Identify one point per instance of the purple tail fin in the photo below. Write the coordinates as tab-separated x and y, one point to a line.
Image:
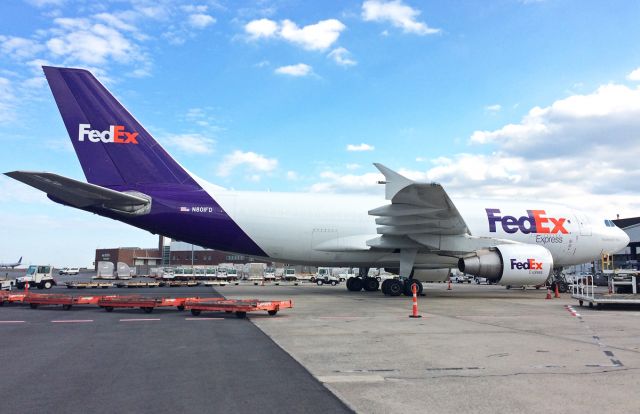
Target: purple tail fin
113	148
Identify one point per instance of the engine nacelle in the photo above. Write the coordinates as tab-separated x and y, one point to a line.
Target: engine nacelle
510	264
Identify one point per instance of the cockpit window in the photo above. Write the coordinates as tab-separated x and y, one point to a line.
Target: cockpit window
609	223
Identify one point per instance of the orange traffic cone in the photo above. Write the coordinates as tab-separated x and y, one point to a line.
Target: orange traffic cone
414	291
557	294
548	293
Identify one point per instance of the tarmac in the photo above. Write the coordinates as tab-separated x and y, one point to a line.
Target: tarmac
476	349
86	360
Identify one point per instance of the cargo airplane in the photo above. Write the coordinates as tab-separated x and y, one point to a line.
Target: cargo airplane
11	265
420	233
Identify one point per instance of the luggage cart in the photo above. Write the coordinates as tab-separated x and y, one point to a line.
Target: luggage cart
584	290
240	307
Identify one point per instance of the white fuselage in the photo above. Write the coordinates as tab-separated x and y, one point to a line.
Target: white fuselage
332	229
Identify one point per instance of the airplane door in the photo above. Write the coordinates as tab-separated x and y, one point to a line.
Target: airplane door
584	224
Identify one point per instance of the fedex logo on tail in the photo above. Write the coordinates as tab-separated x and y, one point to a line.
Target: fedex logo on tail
536	221
115	134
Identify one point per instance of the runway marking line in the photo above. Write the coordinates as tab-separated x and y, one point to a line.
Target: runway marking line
203	319
73	321
596	338
139	320
8	322
340	317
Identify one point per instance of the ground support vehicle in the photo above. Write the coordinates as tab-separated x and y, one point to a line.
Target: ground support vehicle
180	283
216	283
137	284
37	276
585	291
324	276
146	303
109	302
88	285
7	284
9	297
240	307
67	301
289	274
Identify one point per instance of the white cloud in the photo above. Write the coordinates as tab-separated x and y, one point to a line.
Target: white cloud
43	3
300	69
19	47
292	176
191	8
348	183
581	151
634	75
398	14
612	112
251	160
352	166
495	108
360	147
7	98
89	42
342	57
318	36
191	143
261	28
201	20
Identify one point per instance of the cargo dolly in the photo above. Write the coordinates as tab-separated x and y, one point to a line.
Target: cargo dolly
11	297
137	284
585	291
109	302
146	303
67	301
240	307
88	285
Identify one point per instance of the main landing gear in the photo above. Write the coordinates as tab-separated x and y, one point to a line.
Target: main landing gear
363	281
390	287
397	287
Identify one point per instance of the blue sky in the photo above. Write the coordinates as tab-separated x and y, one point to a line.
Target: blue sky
530	99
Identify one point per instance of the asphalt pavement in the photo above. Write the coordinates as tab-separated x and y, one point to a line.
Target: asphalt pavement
88	360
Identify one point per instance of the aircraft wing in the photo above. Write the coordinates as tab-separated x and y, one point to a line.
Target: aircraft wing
422	216
84	195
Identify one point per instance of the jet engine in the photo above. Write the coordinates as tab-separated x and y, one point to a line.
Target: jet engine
510	264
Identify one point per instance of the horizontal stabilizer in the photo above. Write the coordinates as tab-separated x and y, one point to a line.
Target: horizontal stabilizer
84	195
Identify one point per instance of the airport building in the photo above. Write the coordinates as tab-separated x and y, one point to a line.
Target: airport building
628	257
175	253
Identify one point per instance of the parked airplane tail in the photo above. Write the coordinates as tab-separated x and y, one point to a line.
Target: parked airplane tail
112	146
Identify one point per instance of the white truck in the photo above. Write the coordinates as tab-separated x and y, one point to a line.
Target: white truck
290	274
324	276
7	284
255	272
37	276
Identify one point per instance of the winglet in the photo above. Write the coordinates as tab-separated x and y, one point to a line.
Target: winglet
394	182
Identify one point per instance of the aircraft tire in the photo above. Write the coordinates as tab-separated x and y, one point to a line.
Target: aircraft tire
370	284
395	287
355	285
407	287
385	287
